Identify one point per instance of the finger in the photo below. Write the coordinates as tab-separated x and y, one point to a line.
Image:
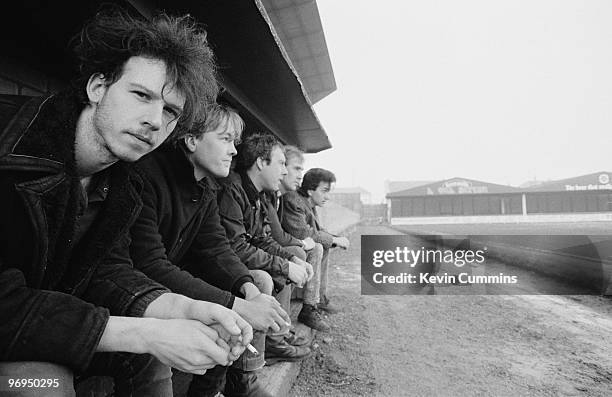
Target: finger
197	371
213	351
210	332
227	319
275	327
283	315
223	344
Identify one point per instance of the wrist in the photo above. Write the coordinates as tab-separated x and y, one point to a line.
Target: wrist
249	290
240	306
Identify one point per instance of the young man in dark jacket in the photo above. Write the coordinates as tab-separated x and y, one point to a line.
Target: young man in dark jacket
242	206
178	235
299	218
309	314
68	292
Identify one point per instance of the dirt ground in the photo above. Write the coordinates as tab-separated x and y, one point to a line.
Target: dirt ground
457	345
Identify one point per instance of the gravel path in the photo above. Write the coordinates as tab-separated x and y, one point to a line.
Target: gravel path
457	345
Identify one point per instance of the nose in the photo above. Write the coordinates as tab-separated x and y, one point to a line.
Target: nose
232	149
284	171
154	117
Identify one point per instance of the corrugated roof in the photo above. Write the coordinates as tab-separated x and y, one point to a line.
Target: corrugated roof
298	26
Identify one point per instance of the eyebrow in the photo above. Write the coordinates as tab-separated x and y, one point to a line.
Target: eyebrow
155	95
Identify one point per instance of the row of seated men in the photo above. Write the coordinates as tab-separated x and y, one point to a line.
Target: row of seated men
127	270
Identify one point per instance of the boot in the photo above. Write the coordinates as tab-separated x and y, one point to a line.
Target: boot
311	317
283	351
240	383
326	306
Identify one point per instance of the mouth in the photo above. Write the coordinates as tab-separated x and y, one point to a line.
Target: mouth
143	138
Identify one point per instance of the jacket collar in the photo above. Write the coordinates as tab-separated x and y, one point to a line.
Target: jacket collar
49	138
184	170
250	188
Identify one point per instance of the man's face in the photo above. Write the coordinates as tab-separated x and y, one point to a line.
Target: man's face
295	171
273	173
136	113
214	150
320	195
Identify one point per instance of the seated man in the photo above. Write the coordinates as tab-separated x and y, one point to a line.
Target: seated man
299	218
261	165
69	296
179	228
309	314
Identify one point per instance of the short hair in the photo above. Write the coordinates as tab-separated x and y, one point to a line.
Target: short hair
313	177
293	152
113	36
255	146
218	115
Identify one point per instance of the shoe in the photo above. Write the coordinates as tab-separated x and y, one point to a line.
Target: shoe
239	383
283	351
295	340
312	318
326	306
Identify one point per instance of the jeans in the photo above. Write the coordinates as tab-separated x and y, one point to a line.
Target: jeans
133	375
213	380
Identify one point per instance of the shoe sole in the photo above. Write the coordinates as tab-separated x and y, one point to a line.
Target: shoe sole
276	360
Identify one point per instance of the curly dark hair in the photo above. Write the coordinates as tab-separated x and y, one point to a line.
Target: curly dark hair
313	177
113	36
255	146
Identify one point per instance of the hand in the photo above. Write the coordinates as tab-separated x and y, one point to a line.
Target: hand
187	345
307	266
297	274
263	312
234	343
212	313
308	243
249	290
341	242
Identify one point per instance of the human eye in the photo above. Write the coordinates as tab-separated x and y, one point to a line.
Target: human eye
173	113
140	94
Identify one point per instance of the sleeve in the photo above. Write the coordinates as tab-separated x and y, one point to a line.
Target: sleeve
278	233
232	205
210	256
40	325
148	252
295	221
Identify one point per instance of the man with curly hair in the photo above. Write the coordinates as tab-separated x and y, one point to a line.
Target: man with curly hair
70	299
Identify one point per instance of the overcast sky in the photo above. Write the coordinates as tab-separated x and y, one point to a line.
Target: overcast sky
498	91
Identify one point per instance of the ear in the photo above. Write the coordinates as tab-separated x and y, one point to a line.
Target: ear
191	143
96	87
260	163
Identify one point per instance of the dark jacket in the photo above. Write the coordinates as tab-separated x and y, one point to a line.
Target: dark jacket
299	218
274	212
248	228
179	228
45	281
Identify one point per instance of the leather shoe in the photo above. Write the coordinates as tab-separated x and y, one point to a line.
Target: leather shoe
326	306
243	384
312	318
293	339
283	351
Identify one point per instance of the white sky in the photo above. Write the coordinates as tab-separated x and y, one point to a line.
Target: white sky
498	91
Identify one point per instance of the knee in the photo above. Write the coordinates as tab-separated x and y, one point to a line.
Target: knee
263	281
297	251
317	251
